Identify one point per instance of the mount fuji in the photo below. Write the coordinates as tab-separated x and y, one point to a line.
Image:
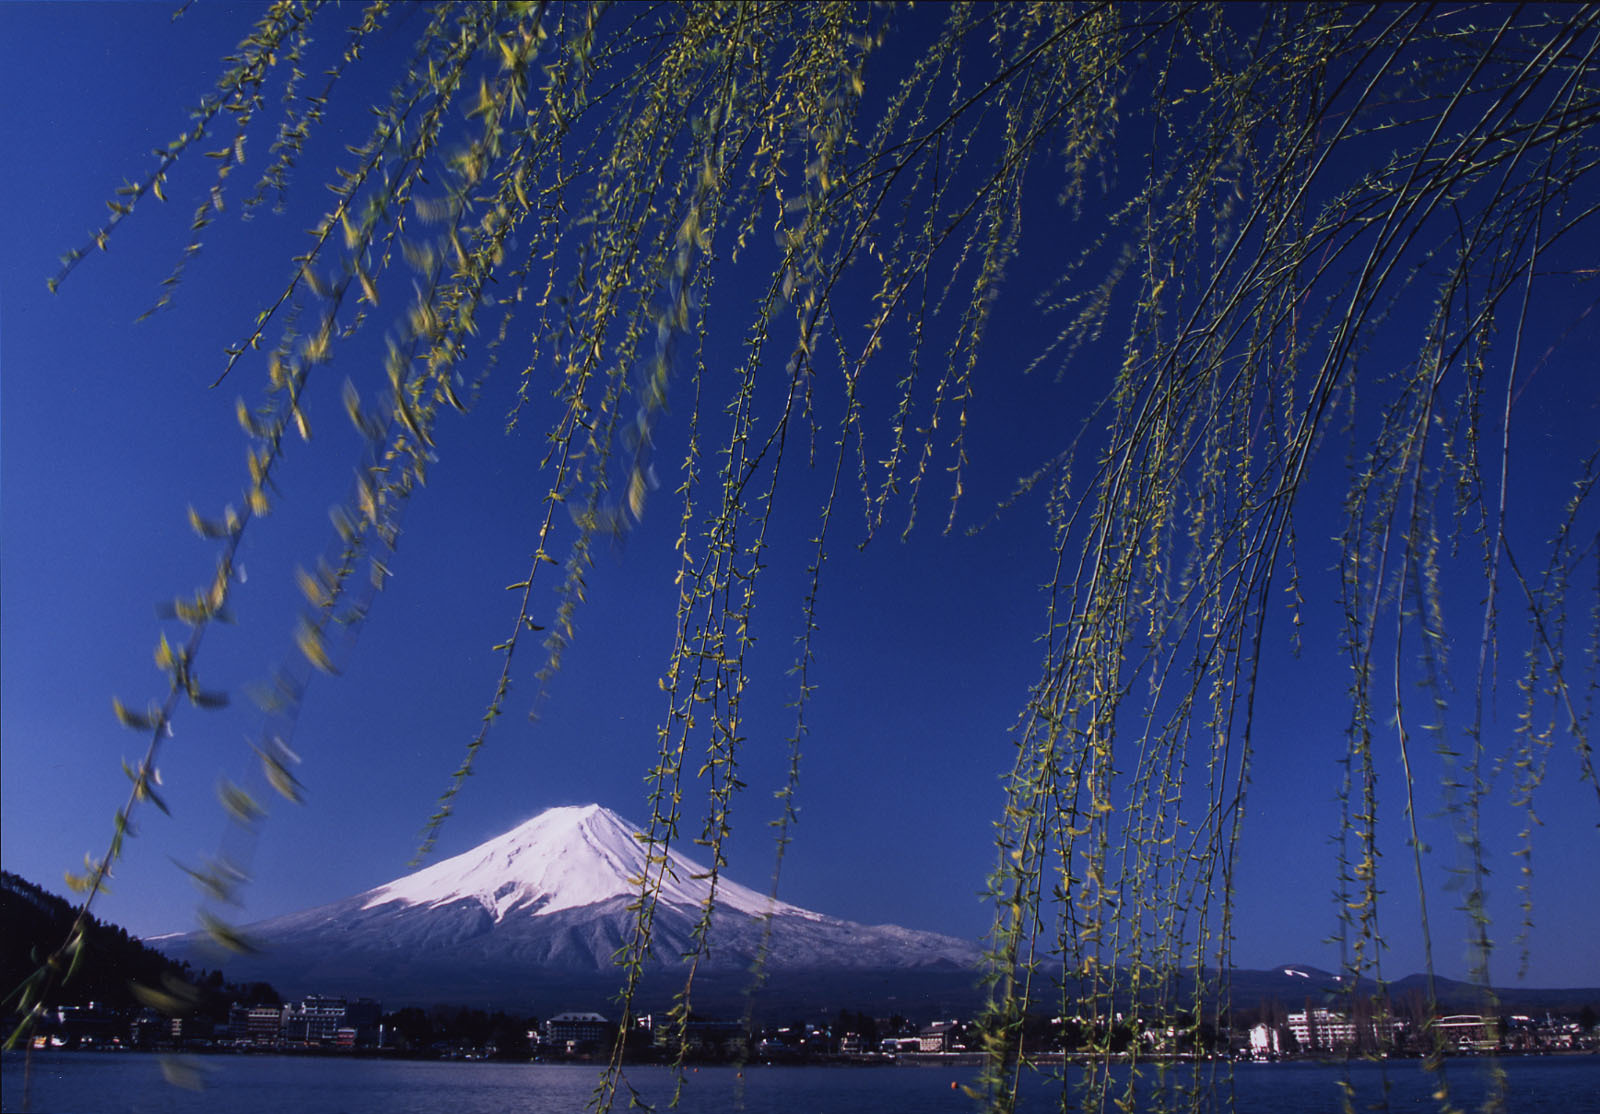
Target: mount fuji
532	919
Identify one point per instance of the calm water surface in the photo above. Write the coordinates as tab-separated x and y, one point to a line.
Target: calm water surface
132	1083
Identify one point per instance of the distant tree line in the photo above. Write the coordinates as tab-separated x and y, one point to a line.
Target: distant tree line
446	1029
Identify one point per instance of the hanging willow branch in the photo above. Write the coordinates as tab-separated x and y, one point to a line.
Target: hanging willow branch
1266	230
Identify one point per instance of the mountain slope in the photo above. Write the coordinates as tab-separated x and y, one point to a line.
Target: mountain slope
539	912
564	858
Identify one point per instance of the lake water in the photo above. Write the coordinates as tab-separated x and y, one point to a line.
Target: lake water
132	1083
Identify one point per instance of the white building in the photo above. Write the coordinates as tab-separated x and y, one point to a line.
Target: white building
314	1020
1324	1030
575	1030
1469	1032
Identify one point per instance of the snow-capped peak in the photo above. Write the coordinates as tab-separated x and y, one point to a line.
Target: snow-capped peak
565	858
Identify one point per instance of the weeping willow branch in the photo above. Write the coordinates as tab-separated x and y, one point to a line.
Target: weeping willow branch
1241	233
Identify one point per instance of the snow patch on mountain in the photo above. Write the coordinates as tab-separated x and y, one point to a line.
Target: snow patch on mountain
566	858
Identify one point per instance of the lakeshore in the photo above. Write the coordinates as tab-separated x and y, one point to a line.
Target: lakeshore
264	1083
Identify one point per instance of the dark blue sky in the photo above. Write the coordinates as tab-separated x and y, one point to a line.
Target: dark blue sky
926	648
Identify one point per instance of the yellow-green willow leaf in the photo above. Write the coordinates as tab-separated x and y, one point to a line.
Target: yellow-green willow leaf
344	524
314	281
408	418
146	793
312	588
275	759
247	420
317	347
311	644
163	1000
226	935
215	601
366	499
186	1072
207	527
258	462
144	781
220	879
239	803
130	718
166	660
636	493
77	947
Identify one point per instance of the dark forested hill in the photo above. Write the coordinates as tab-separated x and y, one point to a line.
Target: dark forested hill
34	921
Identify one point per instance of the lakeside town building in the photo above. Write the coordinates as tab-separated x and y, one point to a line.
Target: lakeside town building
575	1032
320	1023
1264	1042
1468	1032
1324	1030
316	1021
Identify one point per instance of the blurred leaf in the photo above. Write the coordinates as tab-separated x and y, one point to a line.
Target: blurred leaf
169	1004
226	935
187	1072
311	644
275	760
130	718
239	803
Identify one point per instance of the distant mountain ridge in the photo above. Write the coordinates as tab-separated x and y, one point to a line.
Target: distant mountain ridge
538	913
1293	985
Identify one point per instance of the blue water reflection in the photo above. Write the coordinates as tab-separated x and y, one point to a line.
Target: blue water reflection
129	1083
